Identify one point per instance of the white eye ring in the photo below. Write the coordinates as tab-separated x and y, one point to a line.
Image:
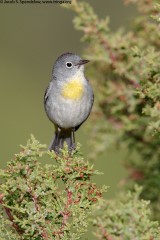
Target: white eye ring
69	65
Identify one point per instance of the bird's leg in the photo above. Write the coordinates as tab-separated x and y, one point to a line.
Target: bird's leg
54	141
73	144
57	141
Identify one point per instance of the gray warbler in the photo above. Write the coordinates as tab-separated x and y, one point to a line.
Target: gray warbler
68	99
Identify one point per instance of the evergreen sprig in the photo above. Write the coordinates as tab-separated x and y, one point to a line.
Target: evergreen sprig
126	78
50	201
125	219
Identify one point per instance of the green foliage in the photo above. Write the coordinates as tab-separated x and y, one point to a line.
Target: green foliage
125	219
55	201
125	72
46	202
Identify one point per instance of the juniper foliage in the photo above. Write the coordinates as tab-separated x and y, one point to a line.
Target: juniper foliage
125	219
125	72
55	201
46	201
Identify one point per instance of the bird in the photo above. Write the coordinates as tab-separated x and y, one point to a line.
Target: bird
68	99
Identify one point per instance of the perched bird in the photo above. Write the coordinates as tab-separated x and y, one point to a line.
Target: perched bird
68	99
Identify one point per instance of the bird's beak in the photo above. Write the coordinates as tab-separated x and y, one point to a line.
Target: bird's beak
82	62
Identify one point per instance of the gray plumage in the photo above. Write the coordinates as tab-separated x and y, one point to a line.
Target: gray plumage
67	109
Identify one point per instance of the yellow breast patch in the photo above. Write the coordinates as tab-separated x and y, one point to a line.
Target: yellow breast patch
73	90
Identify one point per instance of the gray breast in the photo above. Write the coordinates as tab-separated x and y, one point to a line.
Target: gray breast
67	113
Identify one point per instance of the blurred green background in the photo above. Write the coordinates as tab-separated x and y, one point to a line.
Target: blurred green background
31	38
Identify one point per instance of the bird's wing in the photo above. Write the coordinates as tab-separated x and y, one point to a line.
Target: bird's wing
46	94
92	101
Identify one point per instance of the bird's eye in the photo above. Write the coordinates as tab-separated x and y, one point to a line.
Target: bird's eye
69	64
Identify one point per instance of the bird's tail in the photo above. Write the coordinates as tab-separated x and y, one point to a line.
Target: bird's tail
61	136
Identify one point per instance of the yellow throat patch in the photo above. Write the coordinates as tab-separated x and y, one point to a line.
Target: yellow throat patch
73	89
